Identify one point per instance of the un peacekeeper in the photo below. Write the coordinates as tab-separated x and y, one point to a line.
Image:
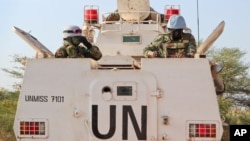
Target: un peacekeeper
72	38
174	44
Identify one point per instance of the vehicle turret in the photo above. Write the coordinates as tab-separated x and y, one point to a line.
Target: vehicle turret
133	10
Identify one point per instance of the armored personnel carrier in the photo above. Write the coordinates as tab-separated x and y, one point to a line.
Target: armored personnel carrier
123	96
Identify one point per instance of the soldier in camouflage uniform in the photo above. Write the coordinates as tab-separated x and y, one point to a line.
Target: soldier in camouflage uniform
72	38
174	44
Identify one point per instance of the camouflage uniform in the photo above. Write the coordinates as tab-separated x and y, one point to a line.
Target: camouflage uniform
165	47
68	50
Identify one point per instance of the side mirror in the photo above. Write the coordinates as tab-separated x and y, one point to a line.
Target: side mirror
217	67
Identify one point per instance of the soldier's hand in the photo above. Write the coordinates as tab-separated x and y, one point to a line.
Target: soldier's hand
180	56
156	54
83	40
152	54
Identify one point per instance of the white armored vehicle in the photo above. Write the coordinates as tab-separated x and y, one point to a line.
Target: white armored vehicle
123	96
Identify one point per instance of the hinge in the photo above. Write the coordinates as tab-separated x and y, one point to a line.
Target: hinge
158	93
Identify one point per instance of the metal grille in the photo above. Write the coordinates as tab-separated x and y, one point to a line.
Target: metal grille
33	128
202	130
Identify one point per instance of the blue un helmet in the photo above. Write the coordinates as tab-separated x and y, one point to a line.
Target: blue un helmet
71	31
176	22
175	26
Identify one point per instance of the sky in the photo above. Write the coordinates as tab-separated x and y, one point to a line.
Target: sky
45	19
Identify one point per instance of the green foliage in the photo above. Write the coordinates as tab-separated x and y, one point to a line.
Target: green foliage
235	70
224	105
239	116
237	81
8	104
232	113
18	70
8	100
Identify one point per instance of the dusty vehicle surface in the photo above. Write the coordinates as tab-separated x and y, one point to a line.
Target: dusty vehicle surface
123	96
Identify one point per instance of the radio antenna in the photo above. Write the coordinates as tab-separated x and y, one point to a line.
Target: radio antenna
197	4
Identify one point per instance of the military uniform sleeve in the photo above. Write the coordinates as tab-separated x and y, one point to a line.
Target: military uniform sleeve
192	47
61	53
95	53
86	42
157	46
92	52
72	51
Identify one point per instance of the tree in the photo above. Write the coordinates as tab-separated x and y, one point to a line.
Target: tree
8	99
235	70
18	70
237	81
